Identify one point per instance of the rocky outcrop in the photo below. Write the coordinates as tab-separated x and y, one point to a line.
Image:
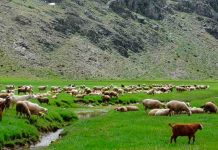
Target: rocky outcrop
154	9
207	8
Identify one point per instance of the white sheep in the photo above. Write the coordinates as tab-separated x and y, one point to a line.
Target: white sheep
178	107
16	98
162	112
152	112
132	108
35	109
195	110
151	104
121	109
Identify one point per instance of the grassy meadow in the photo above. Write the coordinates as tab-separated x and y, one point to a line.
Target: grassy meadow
114	130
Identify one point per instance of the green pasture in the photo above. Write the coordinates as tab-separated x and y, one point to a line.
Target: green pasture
137	130
114	130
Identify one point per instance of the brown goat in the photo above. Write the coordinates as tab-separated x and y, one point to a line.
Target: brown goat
185	130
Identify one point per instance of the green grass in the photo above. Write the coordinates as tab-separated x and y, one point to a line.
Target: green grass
136	130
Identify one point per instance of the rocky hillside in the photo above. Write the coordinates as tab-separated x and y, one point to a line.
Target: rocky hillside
109	39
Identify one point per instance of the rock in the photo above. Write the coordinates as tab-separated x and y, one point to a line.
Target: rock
207	8
23	20
141	19
69	25
80	2
153	9
91	15
213	32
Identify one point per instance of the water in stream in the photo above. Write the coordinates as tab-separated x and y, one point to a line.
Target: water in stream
48	138
90	114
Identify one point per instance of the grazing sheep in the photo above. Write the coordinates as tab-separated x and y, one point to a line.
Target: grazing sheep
55	96
9	87
185	130
195	110
113	94
181	89
87	91
152	112
132	108
151	104
178	107
209	107
22	109
34	109
97	88
7	102
74	92
42	88
106	98
16	98
80	96
25	89
10	91
121	109
43	100
191	88
162	112
4	95
55	89
120	91
106	92
151	92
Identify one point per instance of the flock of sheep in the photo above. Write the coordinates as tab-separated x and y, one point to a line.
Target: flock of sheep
23	106
170	108
26	108
176	107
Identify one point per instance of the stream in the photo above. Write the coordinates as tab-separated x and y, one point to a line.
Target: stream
47	139
50	137
90	114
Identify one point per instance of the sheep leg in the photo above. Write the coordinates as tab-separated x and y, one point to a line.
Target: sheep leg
170	113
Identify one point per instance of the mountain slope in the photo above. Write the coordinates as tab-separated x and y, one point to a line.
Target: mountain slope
116	39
